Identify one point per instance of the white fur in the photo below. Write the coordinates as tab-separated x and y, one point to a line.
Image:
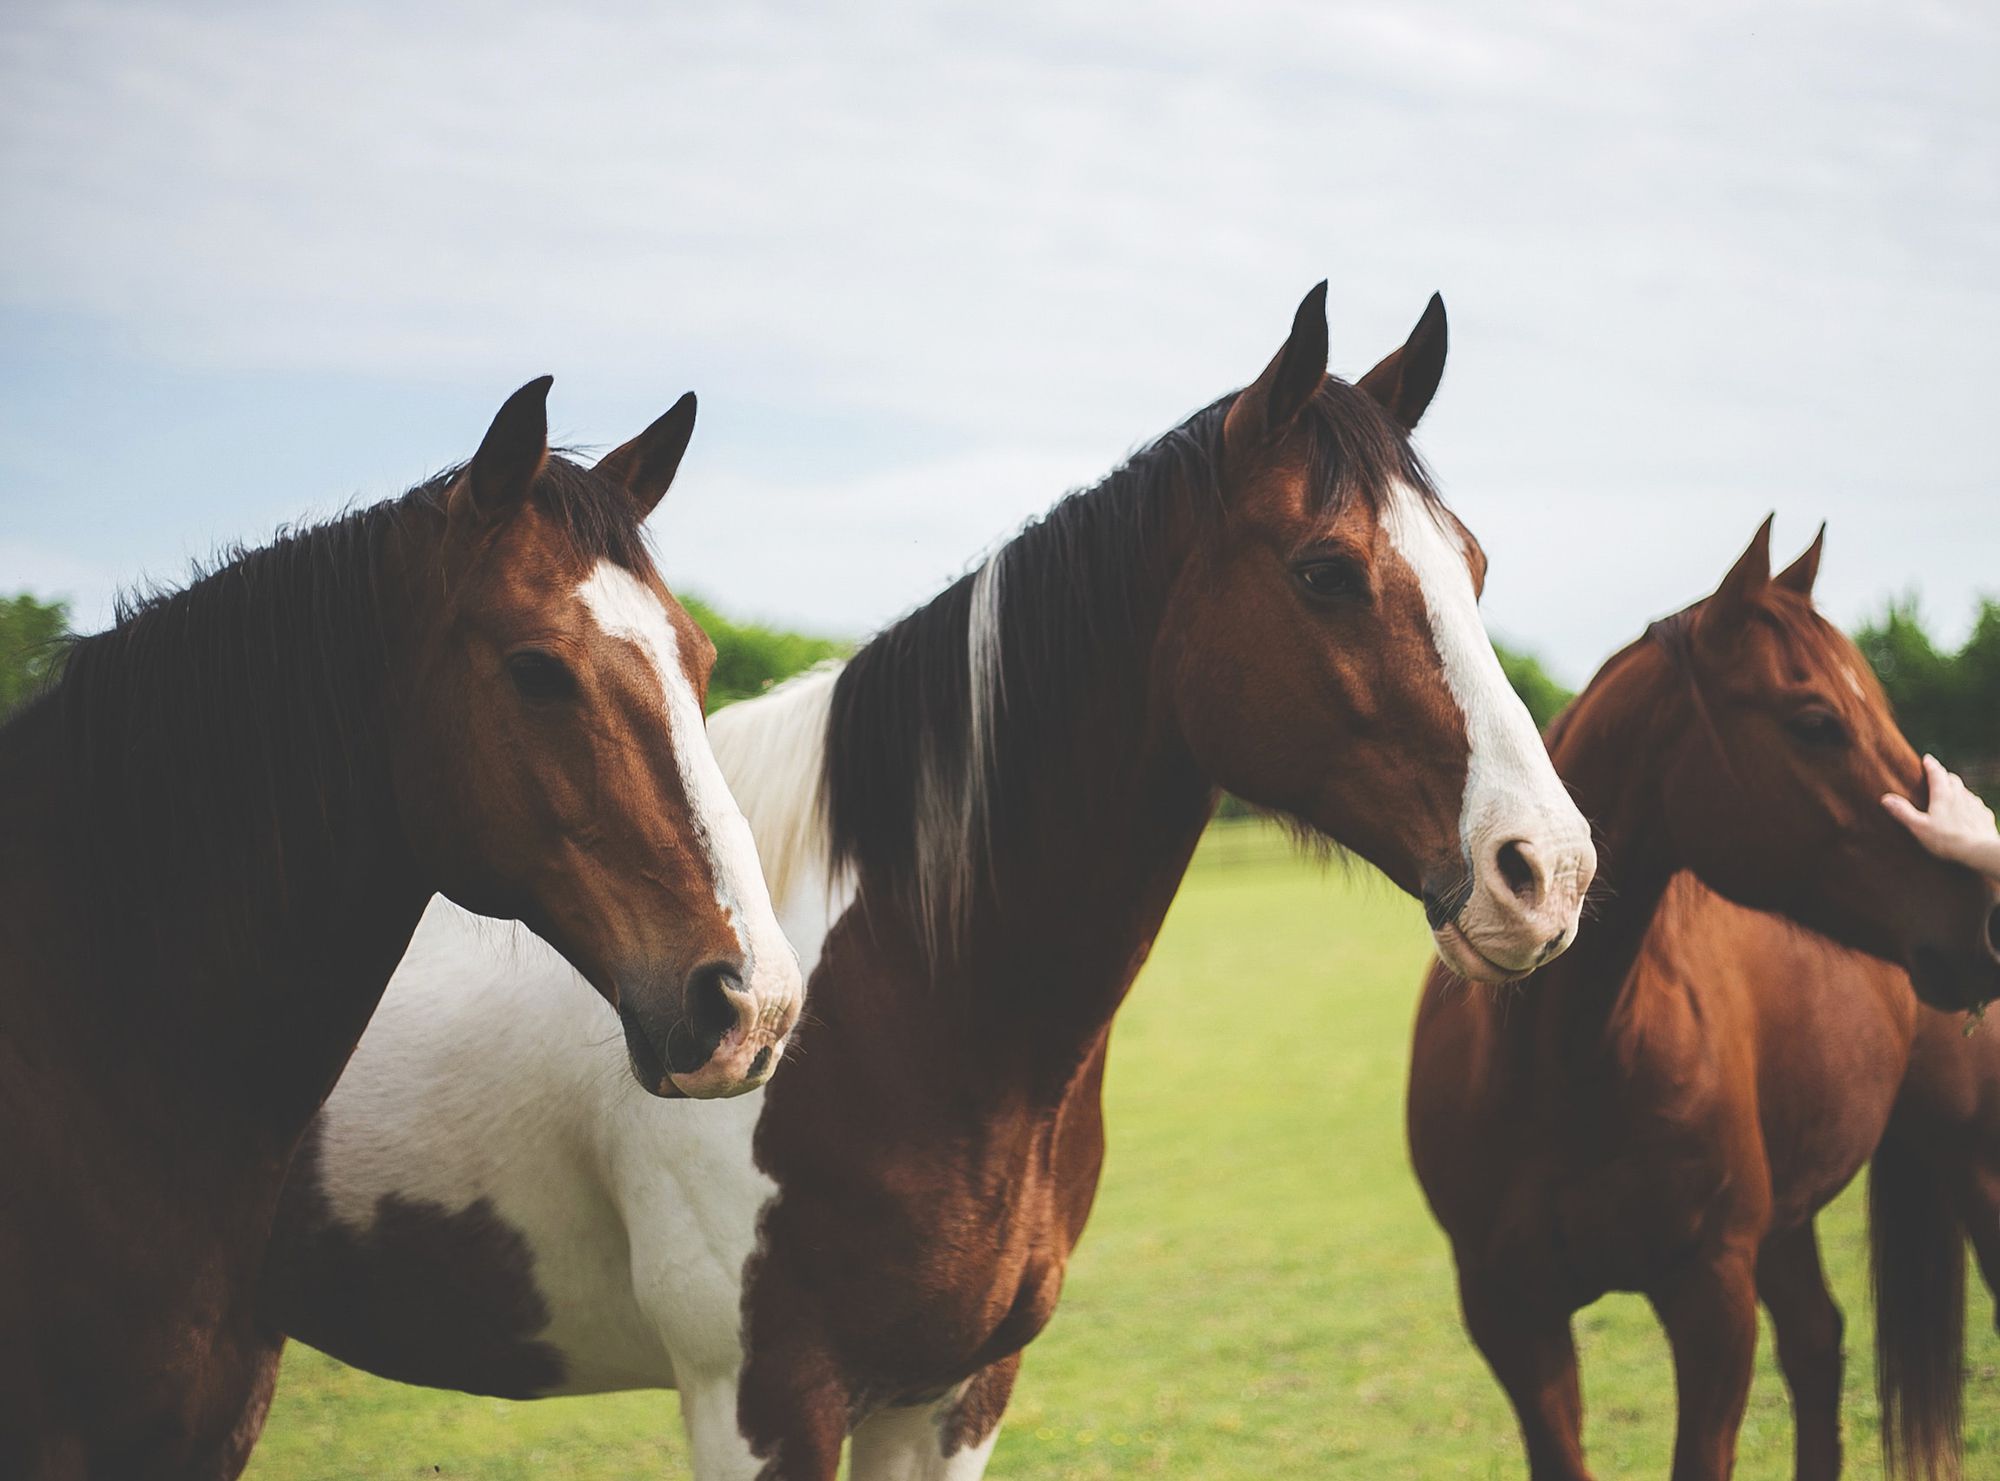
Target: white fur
624	607
907	1445
773	749
1511	788
986	688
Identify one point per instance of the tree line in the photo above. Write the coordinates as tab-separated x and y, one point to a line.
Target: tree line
1947	701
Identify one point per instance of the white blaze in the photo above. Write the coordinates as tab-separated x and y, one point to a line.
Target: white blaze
624	607
1511	788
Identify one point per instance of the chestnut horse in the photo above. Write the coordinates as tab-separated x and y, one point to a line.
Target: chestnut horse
1665	1109
217	834
974	831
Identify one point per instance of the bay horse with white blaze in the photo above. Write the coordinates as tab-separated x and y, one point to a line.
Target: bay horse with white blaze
218	831
1666	1109
974	831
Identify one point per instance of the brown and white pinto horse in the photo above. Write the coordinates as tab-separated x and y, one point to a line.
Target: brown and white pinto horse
974	831
1666	1108
217	833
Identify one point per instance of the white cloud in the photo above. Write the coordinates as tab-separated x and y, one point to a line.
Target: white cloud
1702	260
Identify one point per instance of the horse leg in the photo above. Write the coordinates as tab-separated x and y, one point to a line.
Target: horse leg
716	1446
1532	1351
1710	1313
950	1440
791	1412
1808	1327
227	1460
1979	1202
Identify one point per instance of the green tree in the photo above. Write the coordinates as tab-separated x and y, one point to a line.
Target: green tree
1947	703
1540	692
30	646
750	658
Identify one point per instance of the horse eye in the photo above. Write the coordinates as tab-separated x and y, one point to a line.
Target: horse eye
1817	726
1333	578
541	677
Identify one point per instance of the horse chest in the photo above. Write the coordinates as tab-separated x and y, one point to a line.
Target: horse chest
927	1272
1597	1203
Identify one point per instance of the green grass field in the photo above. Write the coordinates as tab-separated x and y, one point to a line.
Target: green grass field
1261	1292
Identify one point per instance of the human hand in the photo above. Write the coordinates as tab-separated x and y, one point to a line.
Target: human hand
1957	825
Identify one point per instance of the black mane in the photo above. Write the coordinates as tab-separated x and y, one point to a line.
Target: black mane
214	725
1078	590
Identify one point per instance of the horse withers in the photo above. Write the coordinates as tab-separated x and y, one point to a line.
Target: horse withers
218	831
974	830
1665	1108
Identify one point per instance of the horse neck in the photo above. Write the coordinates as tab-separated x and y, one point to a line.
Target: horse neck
265	890
1611	755
1086	848
1083	884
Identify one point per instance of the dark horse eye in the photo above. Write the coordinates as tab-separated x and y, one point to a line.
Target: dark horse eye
1333	578
540	676
1817	727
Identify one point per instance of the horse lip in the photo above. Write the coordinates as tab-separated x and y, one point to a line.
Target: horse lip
1453	934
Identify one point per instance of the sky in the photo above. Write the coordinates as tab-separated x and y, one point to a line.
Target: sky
930	267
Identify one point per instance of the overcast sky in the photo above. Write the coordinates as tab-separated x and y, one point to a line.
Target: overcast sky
929	268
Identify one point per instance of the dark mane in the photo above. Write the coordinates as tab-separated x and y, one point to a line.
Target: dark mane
942	726
215	728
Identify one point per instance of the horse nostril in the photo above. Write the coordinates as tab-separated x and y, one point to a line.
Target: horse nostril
709	1003
1517	872
761	1062
1993	930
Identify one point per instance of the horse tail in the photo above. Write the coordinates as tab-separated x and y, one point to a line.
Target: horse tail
1916	1259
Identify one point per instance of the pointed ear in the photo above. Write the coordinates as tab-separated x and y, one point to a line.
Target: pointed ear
1722	614
1801	573
1404	383
645	466
1288	382
511	456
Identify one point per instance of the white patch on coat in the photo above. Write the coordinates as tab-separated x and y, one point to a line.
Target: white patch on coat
626	608
907	1445
773	750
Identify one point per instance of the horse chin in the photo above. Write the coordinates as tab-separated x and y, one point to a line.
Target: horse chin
1458	953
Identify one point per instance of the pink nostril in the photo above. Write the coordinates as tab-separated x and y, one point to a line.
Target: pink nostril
711	1004
1518	872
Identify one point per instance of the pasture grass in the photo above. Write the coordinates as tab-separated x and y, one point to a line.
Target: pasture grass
1261	1292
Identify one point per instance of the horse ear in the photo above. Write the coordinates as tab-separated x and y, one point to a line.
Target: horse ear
1722	613
511	456
1405	381
1288	382
1801	573
645	466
